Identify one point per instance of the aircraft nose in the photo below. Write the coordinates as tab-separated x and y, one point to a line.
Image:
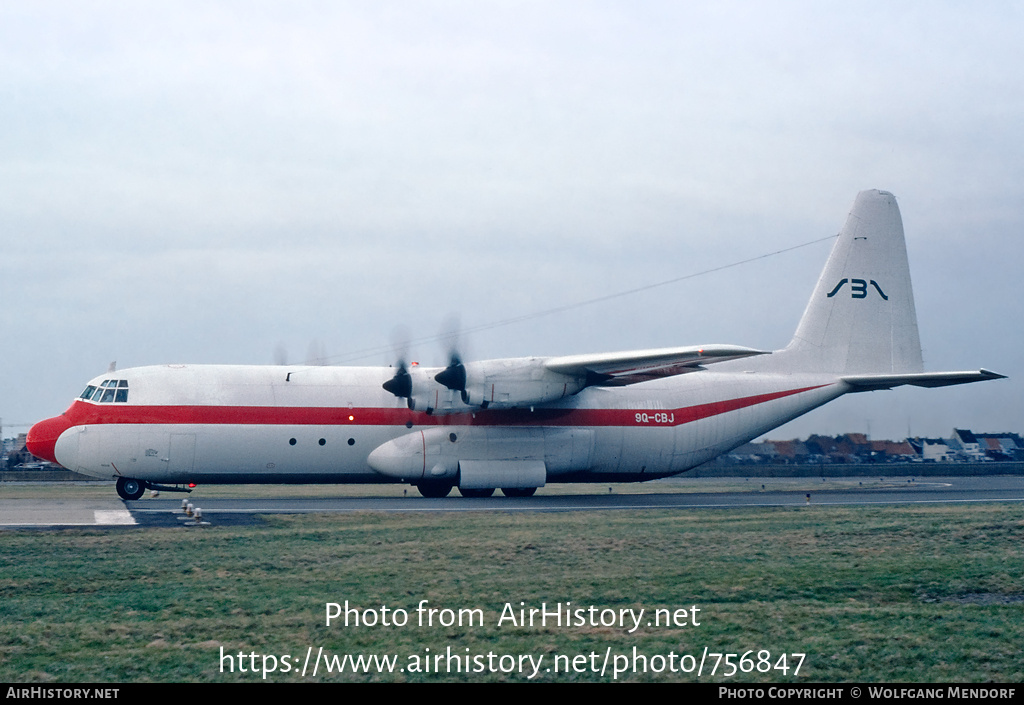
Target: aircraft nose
42	438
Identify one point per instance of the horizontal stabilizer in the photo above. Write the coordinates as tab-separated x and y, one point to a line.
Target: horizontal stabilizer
634	366
867	383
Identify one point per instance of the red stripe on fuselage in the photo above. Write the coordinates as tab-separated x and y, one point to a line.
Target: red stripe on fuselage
84	413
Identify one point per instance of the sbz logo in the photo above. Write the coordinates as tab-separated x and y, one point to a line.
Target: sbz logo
858	288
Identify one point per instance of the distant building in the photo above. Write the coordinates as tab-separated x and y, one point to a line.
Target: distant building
18	454
794	451
893	451
850	448
1001	446
933	450
967	446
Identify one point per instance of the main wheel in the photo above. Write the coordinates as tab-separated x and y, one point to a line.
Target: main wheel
465	492
130	488
518	491
434	489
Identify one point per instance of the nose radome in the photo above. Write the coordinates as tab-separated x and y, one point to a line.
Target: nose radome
42	438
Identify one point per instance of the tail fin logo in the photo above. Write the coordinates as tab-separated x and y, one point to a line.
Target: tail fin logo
858	288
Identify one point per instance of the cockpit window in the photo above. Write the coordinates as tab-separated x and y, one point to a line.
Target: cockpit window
109	391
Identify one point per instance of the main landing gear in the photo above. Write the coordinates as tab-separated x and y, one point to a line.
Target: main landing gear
518	491
442	489
435	490
130	488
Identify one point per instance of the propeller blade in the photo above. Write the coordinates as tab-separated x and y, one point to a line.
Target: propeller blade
401	384
280	354
453	376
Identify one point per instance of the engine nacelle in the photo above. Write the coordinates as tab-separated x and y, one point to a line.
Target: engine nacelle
500	456
433	398
481	457
516	382
487	384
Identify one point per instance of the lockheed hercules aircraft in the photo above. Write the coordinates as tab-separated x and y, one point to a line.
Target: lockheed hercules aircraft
514	424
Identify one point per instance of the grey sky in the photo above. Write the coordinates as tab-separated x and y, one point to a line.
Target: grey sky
206	182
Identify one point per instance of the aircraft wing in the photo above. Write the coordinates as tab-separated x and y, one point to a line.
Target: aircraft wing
633	366
867	383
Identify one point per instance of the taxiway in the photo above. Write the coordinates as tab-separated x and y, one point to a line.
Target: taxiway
166	509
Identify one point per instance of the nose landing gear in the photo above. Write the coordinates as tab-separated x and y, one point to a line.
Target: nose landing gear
130	488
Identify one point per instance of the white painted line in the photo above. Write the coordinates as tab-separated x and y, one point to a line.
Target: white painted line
527	506
113	516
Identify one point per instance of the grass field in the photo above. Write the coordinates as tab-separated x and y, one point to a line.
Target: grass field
918	593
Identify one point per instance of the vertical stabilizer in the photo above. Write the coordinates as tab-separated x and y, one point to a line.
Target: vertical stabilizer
861	317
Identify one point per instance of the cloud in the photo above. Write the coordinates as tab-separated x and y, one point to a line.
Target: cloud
201	181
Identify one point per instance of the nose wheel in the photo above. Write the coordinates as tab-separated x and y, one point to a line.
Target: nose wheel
130	488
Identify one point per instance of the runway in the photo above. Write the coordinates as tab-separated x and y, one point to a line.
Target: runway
166	509
64	512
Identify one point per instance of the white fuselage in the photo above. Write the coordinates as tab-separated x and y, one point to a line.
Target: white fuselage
221	424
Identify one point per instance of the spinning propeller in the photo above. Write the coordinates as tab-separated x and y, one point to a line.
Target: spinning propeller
401	384
453	376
